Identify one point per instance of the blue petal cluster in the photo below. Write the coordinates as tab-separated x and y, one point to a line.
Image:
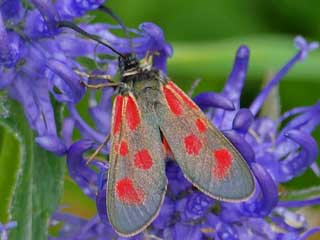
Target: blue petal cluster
38	62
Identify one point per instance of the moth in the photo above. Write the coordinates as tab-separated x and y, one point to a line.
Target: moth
149	110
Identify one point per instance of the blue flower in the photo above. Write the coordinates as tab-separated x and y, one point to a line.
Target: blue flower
70	9
4	229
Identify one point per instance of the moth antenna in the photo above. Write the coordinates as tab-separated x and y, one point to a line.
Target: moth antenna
79	30
194	86
120	22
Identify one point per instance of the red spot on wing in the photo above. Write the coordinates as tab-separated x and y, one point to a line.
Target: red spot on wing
143	160
201	125
185	98
223	163
172	101
192	144
132	114
117	114
123	148
127	193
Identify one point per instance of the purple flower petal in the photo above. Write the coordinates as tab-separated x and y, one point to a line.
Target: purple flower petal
153	40
165	216
261	205
101	113
71	8
85	129
307	121
101	206
67	131
9	46
7	77
299	203
304	46
73	46
36	102
52	144
281	223
11	10
241	144
226	232
184	231
296	164
78	168
308	233
237	76
254	228
307	142
67	81
291	219
243	120
233	87
49	16
304	49
194	206
216	100
177	181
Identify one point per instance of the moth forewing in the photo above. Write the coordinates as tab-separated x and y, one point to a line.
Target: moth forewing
136	179
207	158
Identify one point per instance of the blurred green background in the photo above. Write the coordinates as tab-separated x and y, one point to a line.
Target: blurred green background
205	36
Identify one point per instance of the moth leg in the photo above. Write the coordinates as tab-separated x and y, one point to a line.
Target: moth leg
94	76
105	77
193	87
98	150
98	86
149	55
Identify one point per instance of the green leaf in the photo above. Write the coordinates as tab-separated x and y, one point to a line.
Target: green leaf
31	178
9	166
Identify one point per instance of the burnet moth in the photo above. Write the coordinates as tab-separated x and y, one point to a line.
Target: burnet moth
149	110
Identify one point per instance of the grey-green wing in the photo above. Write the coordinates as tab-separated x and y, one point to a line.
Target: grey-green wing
205	156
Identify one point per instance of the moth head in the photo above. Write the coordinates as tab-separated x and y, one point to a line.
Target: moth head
127	62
